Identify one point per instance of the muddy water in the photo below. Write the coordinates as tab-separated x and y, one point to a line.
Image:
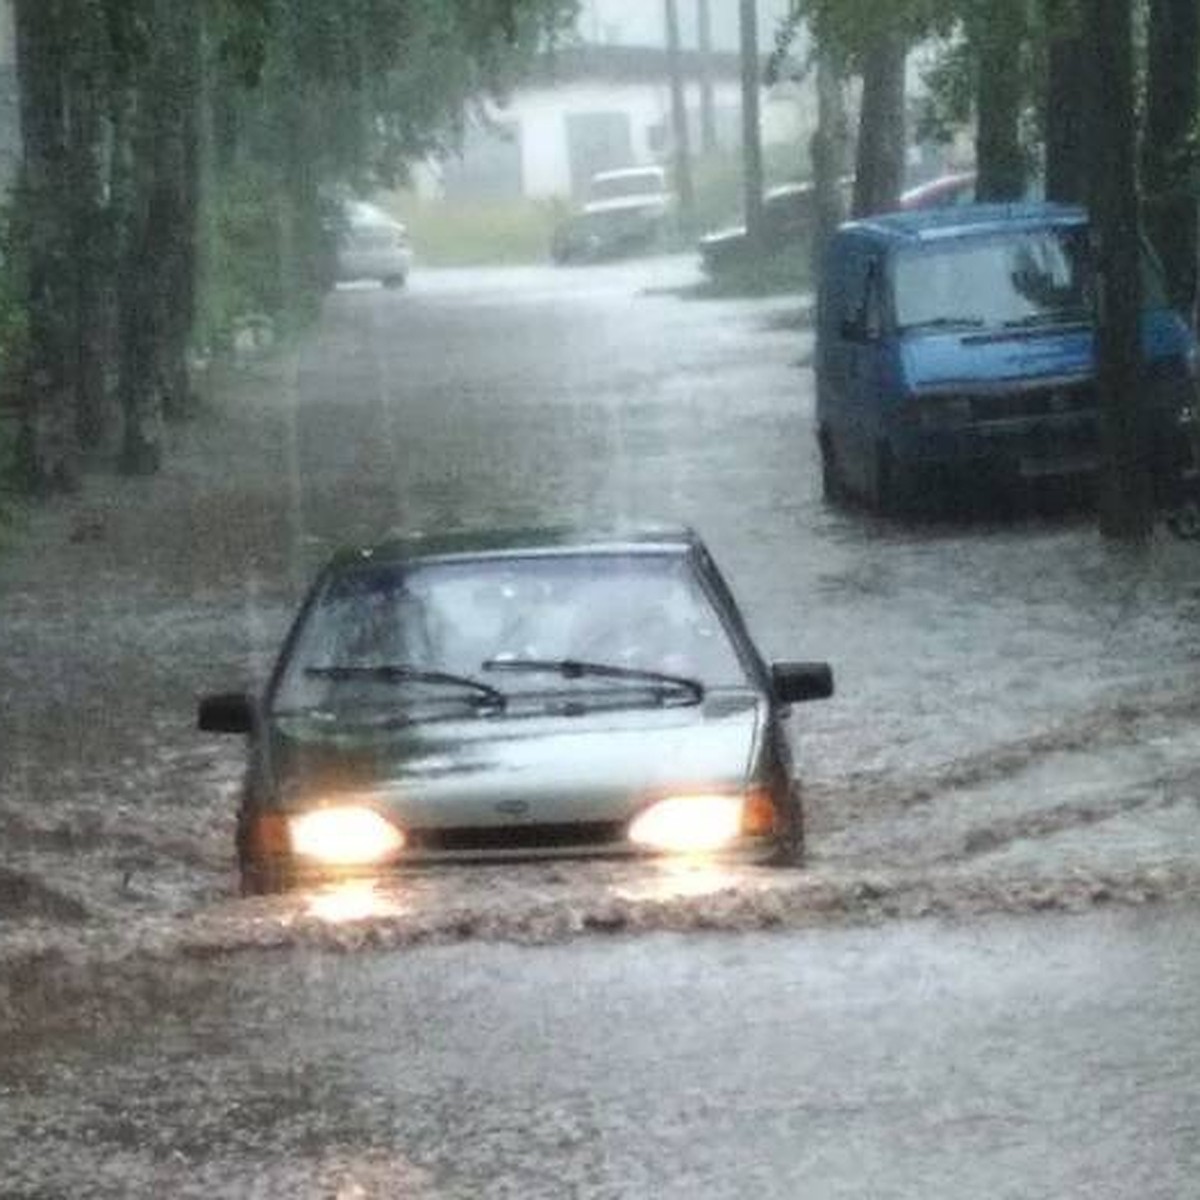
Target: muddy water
1015	723
1031	1059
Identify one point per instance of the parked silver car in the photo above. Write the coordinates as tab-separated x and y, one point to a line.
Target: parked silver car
484	696
371	244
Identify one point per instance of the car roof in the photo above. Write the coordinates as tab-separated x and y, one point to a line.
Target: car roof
625	172
520	543
938	183
934	224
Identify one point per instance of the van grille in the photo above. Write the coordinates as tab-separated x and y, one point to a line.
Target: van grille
1038	402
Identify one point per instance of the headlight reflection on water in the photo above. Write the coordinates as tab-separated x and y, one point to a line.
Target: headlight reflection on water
353	900
671	879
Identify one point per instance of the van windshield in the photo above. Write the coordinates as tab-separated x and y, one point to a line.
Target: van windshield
1012	279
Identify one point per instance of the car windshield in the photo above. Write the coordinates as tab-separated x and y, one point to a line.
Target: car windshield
644	612
1038	277
999	280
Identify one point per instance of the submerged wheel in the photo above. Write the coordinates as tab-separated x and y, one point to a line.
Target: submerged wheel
266	878
1184	522
790	849
890	483
833	486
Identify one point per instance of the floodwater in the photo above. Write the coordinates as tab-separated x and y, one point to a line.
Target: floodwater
1022	1059
1015	724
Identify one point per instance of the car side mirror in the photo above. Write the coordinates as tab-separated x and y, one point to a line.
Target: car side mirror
226	712
796	682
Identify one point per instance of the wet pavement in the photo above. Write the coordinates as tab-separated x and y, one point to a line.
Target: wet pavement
1015	731
1016	702
1025	1059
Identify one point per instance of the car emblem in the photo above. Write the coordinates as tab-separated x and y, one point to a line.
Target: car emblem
1059	402
512	808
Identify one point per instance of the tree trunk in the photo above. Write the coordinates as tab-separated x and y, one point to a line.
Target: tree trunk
998	37
157	278
1068	91
828	154
708	118
881	138
752	162
89	233
48	447
680	140
1173	76
178	295
1126	502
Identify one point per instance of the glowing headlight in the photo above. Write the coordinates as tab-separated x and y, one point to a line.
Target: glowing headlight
344	837
689	824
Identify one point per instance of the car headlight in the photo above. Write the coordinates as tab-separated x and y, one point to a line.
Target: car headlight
689	824
344	837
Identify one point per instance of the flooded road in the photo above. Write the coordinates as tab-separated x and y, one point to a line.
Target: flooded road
1030	1059
1016	707
1015	732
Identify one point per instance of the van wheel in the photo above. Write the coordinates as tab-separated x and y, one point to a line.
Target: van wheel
886	492
833	486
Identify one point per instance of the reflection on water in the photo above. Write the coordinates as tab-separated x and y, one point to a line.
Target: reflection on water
674	878
352	900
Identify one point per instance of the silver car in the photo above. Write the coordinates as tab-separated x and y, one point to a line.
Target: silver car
371	244
484	696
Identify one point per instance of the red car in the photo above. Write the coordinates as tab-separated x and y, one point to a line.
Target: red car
942	192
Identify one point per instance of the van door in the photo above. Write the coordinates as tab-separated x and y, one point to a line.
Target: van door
850	409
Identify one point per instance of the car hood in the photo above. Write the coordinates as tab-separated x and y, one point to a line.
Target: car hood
495	771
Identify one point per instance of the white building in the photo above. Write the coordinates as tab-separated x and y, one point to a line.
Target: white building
603	101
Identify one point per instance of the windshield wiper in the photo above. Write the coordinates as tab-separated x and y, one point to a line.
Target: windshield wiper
399	673
1062	317
573	668
967	322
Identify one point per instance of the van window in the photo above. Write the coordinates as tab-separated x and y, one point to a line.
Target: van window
1022	278
861	316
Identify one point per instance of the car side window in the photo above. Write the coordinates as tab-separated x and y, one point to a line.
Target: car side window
864	302
873	306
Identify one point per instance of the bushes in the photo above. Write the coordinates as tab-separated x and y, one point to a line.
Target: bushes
477	232
265	255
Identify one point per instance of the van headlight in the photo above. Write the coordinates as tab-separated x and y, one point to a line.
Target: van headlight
346	836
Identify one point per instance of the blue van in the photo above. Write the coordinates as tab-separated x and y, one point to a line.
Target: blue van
959	341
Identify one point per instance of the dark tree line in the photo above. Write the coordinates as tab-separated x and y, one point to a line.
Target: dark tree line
177	159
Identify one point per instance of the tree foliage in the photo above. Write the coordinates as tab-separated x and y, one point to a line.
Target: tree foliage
177	158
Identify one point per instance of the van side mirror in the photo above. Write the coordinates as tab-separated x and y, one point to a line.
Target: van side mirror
226	712
796	682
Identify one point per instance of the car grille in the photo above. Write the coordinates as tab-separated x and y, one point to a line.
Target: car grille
517	837
1037	402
